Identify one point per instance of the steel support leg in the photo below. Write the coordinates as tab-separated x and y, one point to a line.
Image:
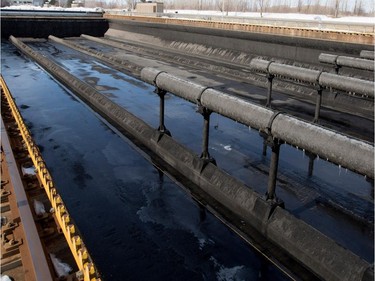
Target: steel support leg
161	93
206	113
264	147
312	158
337	69
271	190
273	172
318	104
269	94
206	131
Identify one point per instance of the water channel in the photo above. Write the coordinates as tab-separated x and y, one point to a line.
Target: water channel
137	222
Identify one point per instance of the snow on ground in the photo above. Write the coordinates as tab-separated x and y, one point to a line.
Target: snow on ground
289	16
285	16
52	8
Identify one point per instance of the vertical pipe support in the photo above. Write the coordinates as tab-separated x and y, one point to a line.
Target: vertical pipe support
318	104
264	152
312	158
275	144
206	113
337	67
161	93
269	93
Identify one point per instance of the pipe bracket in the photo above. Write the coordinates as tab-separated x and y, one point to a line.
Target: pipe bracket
156	76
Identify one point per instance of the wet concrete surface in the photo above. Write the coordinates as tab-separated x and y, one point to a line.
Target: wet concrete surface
236	148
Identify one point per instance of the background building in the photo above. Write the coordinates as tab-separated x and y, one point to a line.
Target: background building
150	8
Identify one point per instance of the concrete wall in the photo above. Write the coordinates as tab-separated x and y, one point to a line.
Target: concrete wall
232	43
42	27
313	250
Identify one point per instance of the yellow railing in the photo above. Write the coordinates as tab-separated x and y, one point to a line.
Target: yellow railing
74	240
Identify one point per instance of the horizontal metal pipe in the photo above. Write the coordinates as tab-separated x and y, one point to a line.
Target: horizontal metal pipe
348	84
355	63
350	153
237	109
182	88
294	72
284	70
367	54
328	58
329	145
358	63
260	65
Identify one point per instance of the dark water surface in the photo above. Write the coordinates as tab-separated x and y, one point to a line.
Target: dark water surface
237	150
139	225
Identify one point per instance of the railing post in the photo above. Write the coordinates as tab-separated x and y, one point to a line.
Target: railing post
318	104
161	93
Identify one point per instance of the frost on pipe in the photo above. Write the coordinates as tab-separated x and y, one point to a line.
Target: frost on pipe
284	70
328	58
359	63
324	79
295	73
348	84
237	109
342	150
367	54
332	146
356	63
182	88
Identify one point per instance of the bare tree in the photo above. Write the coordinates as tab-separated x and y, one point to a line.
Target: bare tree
4	3
299	6
261	5
223	6
131	4
357	7
337	5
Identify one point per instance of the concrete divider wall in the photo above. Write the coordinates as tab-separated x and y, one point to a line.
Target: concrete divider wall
332	261
257	44
318	253
42	27
120	64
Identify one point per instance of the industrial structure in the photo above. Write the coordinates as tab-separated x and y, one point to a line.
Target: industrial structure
290	87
